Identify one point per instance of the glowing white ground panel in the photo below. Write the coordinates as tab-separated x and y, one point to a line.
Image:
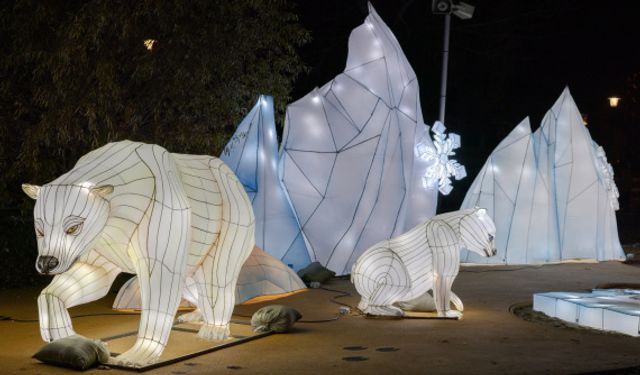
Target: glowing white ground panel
615	310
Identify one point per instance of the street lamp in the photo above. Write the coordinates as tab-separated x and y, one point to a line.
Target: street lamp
149	44
461	10
613	101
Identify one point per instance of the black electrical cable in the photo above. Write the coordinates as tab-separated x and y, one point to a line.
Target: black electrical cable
341	294
8	318
332	300
501	270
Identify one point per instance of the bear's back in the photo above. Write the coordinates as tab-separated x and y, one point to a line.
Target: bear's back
205	200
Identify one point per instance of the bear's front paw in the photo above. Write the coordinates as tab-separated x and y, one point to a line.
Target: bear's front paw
213	332
450	314
194	316
143	353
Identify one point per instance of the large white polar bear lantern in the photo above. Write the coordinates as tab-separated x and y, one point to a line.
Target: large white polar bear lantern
134	207
425	258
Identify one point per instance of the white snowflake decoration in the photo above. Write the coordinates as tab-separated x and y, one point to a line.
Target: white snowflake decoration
443	168
606	172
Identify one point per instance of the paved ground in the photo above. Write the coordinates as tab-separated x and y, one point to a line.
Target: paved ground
488	340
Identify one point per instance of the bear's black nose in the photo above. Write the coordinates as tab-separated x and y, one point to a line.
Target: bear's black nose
46	263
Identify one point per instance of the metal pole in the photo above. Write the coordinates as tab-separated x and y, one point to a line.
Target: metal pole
445	63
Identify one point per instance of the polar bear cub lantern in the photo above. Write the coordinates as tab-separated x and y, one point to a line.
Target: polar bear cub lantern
427	257
135	207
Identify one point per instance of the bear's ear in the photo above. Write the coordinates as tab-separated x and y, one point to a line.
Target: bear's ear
31	190
102	191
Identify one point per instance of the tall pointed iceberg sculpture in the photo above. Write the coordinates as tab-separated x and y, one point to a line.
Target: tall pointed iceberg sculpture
550	193
252	153
348	159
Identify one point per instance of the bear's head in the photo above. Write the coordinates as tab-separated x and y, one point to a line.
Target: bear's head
67	220
478	232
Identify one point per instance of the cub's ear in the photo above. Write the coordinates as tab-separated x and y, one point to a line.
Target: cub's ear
31	190
481	211
103	190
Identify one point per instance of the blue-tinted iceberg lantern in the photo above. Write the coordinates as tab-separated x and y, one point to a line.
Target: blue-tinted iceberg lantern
252	153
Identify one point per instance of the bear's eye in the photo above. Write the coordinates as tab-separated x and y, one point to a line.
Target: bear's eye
39	232
74	229
73	225
490	237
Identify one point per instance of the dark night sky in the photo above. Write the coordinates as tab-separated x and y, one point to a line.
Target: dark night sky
511	60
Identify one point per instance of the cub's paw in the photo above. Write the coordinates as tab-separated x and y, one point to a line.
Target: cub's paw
212	332
450	314
384	311
194	316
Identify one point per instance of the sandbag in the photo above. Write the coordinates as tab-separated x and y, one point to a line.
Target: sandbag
315	272
77	352
275	318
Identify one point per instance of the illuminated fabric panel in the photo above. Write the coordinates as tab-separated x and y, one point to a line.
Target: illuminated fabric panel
348	159
615	310
424	258
550	193
137	208
252	153
261	275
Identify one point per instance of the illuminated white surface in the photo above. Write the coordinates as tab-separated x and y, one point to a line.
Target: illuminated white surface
252	153
261	275
425	258
347	158
165	217
609	310
442	167
551	193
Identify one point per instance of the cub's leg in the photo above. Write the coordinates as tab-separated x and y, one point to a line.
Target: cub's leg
381	279
378	303
87	280
446	267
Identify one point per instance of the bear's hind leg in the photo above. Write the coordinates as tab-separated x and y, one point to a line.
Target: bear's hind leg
191	294
215	303
382	299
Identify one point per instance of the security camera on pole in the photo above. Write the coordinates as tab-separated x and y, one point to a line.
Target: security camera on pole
463	11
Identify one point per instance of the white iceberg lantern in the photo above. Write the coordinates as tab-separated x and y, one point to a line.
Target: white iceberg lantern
347	159
551	193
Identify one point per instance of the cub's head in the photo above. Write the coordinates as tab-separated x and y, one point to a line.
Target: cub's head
478	232
67	220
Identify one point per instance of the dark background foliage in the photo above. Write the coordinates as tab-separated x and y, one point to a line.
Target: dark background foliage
75	75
